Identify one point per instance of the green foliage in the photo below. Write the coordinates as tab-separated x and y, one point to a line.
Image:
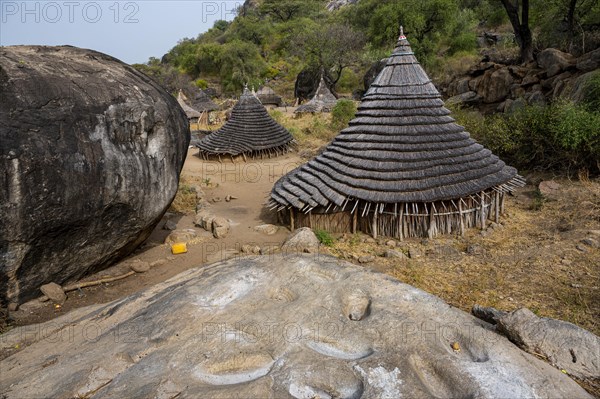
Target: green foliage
591	91
201	83
324	237
241	63
349	81
342	113
563	136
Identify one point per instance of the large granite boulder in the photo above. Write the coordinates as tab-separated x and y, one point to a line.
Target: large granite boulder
302	326
555	61
90	153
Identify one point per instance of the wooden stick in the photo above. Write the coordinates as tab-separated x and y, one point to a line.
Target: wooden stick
354	221
482	214
374	222
497	203
77	286
292	219
462	222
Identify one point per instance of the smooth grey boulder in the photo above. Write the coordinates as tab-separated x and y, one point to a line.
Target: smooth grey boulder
90	153
568	347
301	240
301	326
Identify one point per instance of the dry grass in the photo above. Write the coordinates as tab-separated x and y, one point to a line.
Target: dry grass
185	199
530	260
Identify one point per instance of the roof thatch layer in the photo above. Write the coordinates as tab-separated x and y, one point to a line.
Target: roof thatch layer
267	96
322	101
402	147
250	131
189	111
203	103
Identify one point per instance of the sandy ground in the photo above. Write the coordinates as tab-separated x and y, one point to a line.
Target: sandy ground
535	258
250	182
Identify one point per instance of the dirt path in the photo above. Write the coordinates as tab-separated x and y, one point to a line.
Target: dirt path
250	182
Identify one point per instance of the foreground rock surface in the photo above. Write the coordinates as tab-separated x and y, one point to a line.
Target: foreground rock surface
91	151
300	326
568	347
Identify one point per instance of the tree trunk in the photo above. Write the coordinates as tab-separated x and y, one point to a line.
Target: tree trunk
520	27
571	16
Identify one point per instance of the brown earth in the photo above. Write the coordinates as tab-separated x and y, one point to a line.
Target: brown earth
530	260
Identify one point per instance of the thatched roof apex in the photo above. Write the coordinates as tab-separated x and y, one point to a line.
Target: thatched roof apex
403	146
189	111
267	96
322	101
249	130
203	103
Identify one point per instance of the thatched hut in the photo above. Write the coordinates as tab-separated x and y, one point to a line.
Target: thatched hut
249	132
268	97
403	168
322	101
202	102
192	114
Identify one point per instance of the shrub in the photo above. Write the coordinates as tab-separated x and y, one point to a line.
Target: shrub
201	83
562	137
324	237
342	113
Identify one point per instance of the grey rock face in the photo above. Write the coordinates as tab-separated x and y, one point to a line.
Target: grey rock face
91	151
554	61
301	240
568	347
300	326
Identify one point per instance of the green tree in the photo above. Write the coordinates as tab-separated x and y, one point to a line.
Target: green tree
241	63
333	47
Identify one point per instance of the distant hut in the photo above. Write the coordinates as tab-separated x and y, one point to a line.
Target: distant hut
192	114
403	168
249	132
268	97
322	101
204	105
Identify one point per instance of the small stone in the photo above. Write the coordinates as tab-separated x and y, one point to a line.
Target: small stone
268	229
170	225
217	199
366	259
582	248
475	249
414	253
576	285
54	292
220	227
369	240
590	242
391	243
549	188
43	298
228	198
181	236
301	240
392	253
250	249
139	266
13	307
566	262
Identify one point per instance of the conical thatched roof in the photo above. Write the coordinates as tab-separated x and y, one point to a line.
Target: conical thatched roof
402	147
322	101
267	96
203	103
189	111
250	130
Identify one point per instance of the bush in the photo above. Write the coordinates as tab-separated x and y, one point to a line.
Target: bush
324	237
201	83
560	137
342	113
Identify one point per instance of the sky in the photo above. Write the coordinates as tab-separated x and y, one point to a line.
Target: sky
132	31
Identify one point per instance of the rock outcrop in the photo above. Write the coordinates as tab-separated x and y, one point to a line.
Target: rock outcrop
270	326
496	87
91	151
